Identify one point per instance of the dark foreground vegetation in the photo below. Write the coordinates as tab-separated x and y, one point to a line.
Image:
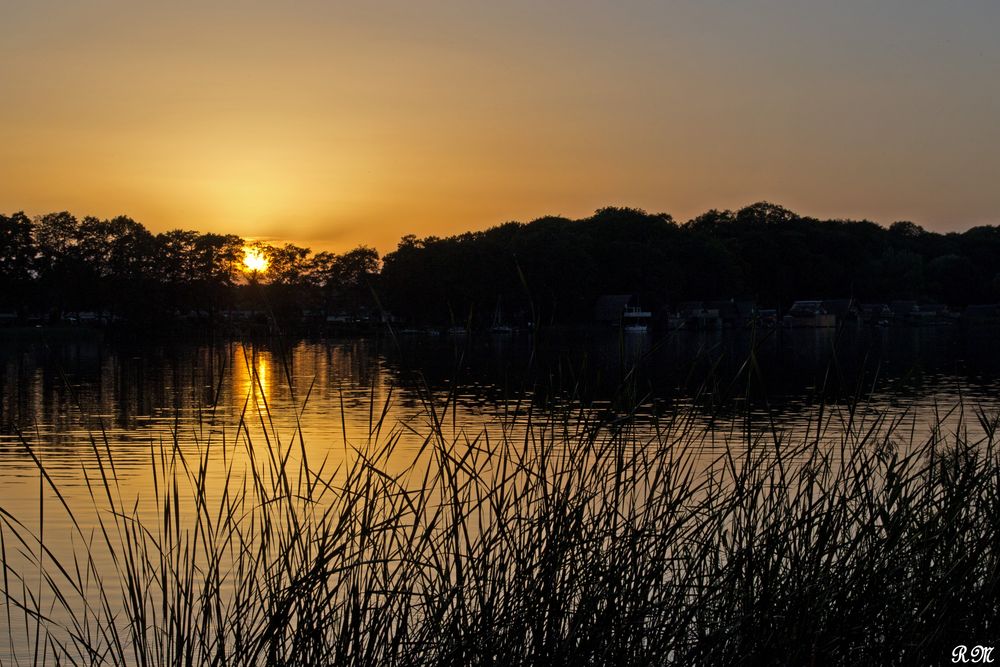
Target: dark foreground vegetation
551	270
568	541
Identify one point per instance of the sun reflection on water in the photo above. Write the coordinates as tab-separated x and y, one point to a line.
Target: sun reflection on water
252	377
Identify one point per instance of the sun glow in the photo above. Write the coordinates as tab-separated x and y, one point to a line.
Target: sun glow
254	260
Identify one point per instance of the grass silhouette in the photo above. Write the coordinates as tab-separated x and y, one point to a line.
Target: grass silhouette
551	537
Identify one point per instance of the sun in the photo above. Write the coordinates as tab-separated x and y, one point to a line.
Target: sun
254	260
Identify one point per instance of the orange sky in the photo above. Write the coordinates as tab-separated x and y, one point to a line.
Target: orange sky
338	125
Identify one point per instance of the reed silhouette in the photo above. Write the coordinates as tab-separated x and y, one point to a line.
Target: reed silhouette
580	540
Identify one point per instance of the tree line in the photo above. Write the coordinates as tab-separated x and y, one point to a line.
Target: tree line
54	265
550	270
554	269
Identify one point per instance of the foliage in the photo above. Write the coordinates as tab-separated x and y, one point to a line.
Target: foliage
550	270
17	260
57	266
554	269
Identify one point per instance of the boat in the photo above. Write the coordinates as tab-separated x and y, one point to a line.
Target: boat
499	328
808	315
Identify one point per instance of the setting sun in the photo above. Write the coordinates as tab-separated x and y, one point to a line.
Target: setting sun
254	260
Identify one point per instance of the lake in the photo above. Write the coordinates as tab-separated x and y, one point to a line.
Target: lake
59	393
82	402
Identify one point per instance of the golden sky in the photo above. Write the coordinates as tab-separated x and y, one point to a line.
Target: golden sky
334	124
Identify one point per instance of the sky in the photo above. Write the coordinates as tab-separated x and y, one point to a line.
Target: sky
337	124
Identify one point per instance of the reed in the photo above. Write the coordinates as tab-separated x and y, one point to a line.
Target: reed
553	537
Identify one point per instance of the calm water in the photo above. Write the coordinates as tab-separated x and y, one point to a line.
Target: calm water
59	394
63	396
76	401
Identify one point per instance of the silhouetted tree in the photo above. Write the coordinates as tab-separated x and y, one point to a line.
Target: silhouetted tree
175	262
120	255
65	281
557	267
217	261
551	270
17	262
